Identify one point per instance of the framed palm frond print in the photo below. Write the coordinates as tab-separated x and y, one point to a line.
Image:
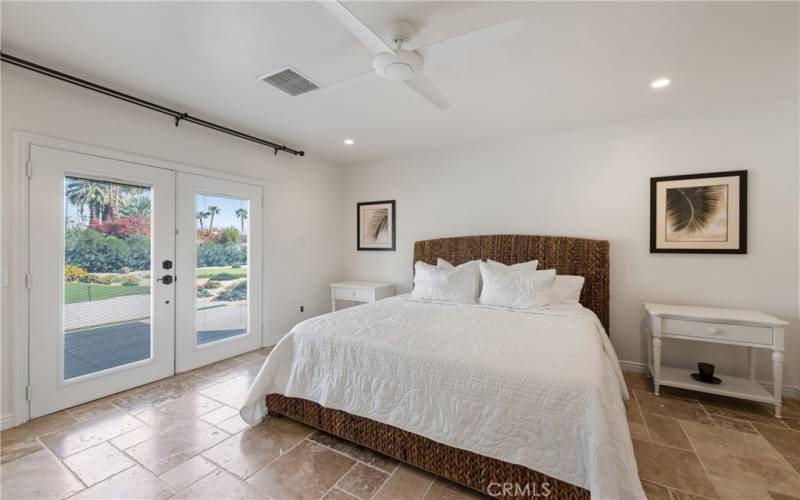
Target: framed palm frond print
375	225
700	213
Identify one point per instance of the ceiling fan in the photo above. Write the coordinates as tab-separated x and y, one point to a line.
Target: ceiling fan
404	65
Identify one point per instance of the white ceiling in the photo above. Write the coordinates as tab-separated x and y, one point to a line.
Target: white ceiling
573	64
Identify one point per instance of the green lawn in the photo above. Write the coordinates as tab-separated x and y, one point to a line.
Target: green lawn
205	272
75	292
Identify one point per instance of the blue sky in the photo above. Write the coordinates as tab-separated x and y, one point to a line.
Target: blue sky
227	210
226	205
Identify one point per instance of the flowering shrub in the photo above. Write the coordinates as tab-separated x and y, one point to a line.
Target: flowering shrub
208	235
225	236
73	273
123	227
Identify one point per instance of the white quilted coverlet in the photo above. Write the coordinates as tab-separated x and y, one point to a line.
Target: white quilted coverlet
540	389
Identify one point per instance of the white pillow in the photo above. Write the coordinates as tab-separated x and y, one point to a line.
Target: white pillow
524	289
440	262
531	264
456	285
567	289
471	265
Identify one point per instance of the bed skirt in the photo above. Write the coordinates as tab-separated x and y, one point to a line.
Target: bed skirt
484	474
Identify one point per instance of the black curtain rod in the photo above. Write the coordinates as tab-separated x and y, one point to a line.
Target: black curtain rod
177	115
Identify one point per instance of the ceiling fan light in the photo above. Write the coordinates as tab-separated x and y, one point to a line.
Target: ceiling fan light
404	65
660	83
349	142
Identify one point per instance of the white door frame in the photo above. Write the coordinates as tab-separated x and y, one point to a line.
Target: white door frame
21	264
188	353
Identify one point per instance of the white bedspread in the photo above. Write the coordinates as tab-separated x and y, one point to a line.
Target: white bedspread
543	389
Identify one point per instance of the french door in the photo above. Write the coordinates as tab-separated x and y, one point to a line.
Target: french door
219	265
136	272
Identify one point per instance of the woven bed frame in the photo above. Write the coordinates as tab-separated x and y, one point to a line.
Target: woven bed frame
578	256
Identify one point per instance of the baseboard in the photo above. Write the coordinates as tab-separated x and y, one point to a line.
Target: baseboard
271	341
633	367
636	367
6	421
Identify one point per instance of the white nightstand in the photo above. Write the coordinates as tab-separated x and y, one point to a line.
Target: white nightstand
360	291
750	329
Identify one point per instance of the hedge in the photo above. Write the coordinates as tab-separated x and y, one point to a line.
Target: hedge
104	253
235	292
98	252
212	254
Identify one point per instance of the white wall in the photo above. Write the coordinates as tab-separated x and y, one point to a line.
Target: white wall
304	192
594	183
591	182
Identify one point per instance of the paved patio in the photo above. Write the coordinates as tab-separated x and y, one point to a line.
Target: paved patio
95	349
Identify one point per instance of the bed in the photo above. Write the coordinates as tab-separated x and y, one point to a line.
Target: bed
482	396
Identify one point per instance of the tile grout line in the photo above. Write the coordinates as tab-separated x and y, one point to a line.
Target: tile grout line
389	477
428	489
106	479
267	464
135	462
354	458
355	462
699	459
215	469
641	415
784	457
62	465
672	446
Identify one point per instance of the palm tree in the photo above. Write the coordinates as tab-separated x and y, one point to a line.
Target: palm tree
138	207
201	215
85	192
241	213
212	211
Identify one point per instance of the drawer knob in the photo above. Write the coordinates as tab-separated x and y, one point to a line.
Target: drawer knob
714	331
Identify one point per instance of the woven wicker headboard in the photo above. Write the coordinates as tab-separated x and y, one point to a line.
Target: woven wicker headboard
579	256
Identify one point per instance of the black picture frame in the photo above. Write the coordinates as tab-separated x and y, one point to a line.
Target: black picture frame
741	249
393	231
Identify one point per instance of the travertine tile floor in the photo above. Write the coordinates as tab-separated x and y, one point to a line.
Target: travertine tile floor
182	438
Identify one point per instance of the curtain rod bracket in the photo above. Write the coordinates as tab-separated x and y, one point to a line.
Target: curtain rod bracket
116	94
180	117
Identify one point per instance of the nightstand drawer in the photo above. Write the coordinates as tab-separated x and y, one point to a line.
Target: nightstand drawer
721	331
353	294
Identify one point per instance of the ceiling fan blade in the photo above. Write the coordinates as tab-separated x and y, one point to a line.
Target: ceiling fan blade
356	27
424	87
347	82
460	45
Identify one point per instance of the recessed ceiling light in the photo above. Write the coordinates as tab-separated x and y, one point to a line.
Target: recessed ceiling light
660	83
349	142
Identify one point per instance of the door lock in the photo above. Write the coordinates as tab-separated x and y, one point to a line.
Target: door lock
166	279
167	264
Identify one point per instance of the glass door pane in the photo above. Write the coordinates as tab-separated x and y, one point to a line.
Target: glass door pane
107	275
221	271
101	315
220	252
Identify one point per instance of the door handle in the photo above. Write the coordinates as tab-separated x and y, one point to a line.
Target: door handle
166	279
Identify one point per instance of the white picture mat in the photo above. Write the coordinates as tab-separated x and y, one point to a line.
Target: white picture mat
363	212
733	214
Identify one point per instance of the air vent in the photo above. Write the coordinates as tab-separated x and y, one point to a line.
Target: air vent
290	81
